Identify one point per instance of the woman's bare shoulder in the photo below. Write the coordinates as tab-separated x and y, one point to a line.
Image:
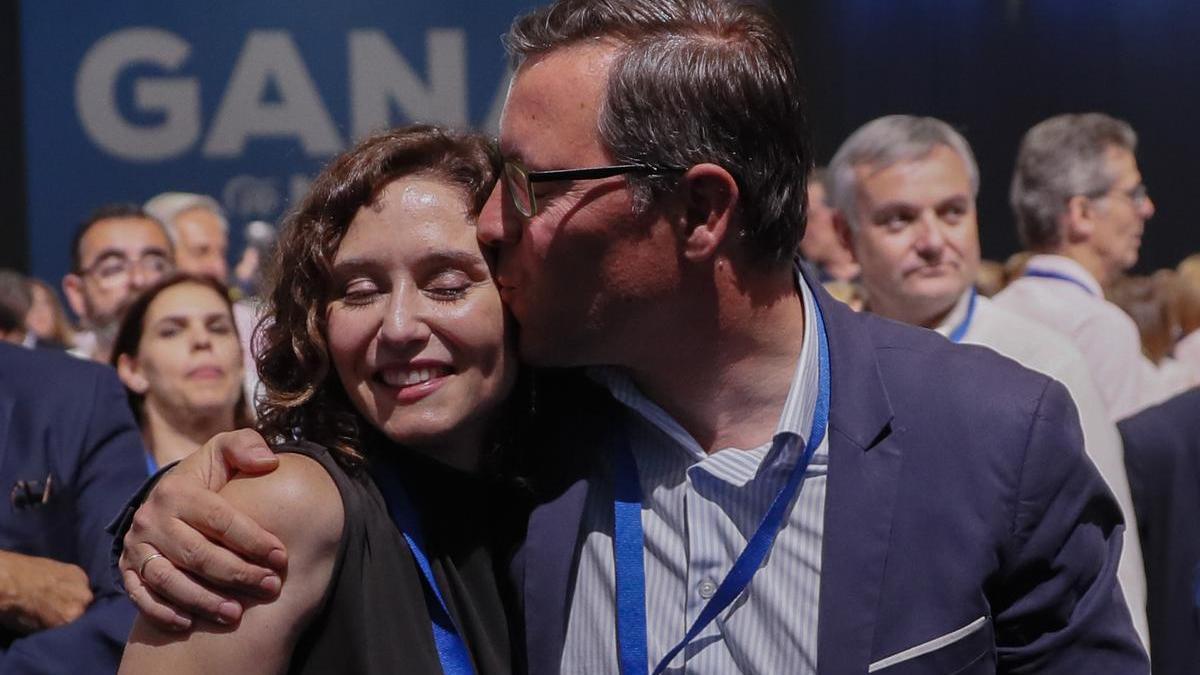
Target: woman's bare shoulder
298	502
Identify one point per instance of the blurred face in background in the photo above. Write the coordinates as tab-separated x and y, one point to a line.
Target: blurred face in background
821	243
201	244
189	359
42	319
1119	216
118	257
916	235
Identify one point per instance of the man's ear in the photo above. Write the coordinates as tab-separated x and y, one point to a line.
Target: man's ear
72	286
710	199
845	233
130	373
1078	219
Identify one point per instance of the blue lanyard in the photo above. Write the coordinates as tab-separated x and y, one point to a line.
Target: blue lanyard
628	538
960	331
151	465
452	652
1049	274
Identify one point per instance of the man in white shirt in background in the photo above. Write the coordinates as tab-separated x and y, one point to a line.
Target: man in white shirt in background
904	191
1081	207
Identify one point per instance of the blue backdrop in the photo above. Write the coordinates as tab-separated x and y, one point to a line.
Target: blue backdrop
242	101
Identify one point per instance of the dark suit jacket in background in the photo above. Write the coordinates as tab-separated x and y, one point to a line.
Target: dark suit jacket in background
1162	455
69	419
957	489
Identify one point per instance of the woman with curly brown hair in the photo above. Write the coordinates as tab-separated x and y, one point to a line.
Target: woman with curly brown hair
387	369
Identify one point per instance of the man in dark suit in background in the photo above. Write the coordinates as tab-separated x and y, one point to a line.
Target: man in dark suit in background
70	454
1162	453
938	512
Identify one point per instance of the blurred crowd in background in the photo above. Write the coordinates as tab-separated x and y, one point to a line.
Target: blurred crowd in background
154	292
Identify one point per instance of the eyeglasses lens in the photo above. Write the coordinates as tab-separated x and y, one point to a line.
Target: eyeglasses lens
518	188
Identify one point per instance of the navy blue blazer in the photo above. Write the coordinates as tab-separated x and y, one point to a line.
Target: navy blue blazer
957	489
1162	454
70	420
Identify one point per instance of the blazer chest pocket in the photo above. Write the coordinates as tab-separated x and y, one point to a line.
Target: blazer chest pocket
968	650
39	521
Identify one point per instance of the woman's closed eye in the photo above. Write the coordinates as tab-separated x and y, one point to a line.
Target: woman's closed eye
360	292
219	325
449	285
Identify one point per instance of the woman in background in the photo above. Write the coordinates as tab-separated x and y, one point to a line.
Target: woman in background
47	319
178	354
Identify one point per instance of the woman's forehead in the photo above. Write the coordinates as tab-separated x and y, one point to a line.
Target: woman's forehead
410	215
187	298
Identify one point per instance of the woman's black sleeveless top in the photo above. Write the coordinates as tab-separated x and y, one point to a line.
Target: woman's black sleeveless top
374	618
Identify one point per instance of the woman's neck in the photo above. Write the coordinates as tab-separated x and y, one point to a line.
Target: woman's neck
464	452
172	435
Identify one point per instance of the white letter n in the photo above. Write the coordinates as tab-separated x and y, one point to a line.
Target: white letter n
380	76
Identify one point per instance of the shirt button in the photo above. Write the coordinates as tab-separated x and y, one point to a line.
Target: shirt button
707	588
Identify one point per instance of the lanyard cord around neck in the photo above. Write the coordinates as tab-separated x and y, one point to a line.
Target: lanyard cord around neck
452	651
1051	274
628	540
960	331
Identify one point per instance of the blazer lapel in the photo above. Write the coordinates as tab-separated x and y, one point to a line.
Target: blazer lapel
863	475
548	560
574	451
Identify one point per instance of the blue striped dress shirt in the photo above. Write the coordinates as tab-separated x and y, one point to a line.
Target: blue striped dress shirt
698	511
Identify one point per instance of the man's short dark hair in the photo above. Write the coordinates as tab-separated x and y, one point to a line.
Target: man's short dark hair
105	212
15	300
696	81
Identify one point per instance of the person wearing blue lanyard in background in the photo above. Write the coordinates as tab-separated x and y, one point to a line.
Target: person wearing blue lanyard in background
810	489
1081	208
904	191
178	355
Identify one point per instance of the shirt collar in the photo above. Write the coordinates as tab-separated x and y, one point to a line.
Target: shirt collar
956	315
1064	265
798	409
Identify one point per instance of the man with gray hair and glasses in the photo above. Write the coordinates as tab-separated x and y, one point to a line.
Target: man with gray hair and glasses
197	226
1081	208
903	189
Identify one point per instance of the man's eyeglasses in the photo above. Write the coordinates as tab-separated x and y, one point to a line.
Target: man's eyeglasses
1138	195
520	180
113	270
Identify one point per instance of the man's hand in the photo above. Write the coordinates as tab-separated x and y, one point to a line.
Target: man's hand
188	551
40	593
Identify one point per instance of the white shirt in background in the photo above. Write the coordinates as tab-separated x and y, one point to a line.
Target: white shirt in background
246	314
1108	338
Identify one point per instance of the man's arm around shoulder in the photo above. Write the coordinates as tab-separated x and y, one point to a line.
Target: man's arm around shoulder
302	504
